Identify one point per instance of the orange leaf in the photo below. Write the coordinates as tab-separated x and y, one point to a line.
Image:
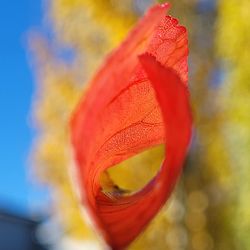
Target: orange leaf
137	100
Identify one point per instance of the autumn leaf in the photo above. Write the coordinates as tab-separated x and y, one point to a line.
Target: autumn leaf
137	100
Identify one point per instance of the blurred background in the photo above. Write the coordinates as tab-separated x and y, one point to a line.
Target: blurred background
48	52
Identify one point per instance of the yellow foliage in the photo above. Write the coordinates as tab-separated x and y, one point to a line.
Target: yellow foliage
234	47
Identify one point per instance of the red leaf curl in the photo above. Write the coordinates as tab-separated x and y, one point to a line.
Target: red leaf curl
137	100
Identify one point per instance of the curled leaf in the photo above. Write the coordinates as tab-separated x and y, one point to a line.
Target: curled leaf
137	100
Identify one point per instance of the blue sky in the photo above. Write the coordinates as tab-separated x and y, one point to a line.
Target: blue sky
17	17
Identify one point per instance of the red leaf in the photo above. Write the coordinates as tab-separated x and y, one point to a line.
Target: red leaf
134	103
